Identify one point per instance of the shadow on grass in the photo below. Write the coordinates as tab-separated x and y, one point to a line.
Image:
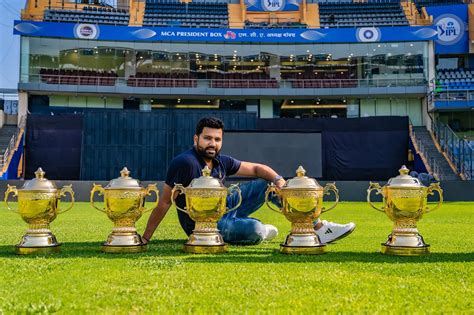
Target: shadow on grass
239	254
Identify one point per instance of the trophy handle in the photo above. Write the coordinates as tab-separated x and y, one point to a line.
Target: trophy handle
152	188
181	190
101	191
62	192
378	189
326	191
14	190
271	188
236	188
435	187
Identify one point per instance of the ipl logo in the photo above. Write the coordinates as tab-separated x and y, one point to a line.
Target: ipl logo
86	31
273	5
450	29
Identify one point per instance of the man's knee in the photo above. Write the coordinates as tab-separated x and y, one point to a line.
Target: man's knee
244	232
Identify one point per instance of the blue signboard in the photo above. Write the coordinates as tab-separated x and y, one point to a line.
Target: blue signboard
173	34
272	5
451	23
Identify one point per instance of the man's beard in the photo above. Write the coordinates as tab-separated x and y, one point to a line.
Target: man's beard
204	152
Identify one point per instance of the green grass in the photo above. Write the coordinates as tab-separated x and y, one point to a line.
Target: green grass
351	277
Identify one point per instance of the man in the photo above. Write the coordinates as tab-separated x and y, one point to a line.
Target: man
236	226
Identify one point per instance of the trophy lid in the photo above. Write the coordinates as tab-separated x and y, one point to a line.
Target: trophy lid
404	180
301	181
39	182
124	181
206	180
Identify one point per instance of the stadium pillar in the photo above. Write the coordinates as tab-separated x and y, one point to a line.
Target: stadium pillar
266	108
22	105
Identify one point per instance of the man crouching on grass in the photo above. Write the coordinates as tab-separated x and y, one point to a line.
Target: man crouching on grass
235	226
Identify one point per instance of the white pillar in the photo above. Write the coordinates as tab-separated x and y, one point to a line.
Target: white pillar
266	108
22	106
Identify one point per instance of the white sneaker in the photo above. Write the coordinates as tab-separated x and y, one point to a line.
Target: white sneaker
330	231
272	232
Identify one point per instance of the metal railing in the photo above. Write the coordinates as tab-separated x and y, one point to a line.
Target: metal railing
191	82
458	150
11	147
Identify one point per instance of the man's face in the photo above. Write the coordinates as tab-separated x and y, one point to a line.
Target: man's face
209	142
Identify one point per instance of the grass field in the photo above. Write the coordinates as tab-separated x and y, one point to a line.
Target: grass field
351	277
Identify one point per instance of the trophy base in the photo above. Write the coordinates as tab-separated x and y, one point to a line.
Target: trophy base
124	242
41	242
205	249
309	250
126	249
405	244
20	250
405	251
302	244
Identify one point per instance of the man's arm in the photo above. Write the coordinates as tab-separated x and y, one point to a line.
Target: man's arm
260	171
158	213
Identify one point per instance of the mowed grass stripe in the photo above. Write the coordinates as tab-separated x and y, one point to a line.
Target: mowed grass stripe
351	277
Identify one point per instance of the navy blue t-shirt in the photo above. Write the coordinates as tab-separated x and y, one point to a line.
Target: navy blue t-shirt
187	166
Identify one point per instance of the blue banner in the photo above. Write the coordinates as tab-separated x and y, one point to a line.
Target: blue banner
272	5
175	34
451	24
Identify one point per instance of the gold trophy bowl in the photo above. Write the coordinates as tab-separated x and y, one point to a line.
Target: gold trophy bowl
405	203
302	204
38	205
124	204
206	199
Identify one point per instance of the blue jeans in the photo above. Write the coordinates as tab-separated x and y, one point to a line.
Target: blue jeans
235	226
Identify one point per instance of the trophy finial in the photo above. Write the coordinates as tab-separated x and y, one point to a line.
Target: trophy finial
404	170
39	173
300	171
124	172
206	171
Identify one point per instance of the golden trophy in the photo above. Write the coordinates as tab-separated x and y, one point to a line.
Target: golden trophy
405	202
38	205
206	199
302	204
124	204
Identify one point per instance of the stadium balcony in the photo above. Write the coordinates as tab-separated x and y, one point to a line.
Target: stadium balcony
175	13
162	80
77	77
244	80
96	15
362	14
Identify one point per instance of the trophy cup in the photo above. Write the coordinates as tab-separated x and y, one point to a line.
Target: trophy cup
205	203
124	204
38	205
405	200
302	203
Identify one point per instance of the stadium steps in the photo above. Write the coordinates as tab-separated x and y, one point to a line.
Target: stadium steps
6	133
431	152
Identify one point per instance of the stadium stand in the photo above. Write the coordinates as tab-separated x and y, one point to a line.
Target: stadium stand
192	14
362	14
455	79
92	14
428	3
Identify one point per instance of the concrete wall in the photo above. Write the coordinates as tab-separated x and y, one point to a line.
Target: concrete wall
348	190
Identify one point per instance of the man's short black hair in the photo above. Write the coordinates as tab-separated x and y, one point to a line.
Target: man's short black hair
210	122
